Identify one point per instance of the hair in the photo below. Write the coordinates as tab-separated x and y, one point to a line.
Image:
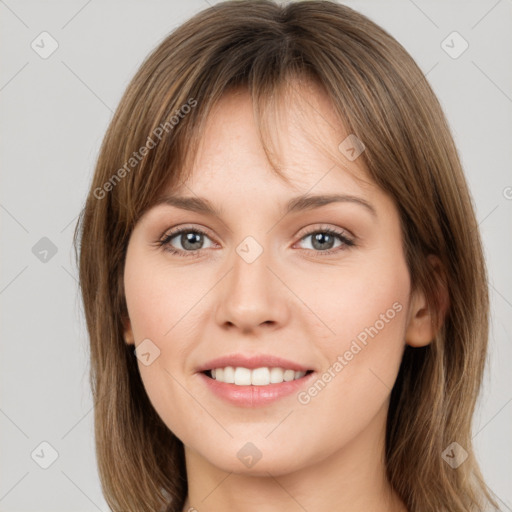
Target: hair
380	95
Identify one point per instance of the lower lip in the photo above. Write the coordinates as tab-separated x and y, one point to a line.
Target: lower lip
254	396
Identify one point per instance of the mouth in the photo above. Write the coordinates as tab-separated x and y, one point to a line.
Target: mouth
263	376
254	380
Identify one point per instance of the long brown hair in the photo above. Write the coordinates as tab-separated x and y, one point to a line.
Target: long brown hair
382	97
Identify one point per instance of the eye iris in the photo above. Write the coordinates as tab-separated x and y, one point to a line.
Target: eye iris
321	238
189	239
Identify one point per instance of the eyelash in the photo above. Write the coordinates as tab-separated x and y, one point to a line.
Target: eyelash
164	243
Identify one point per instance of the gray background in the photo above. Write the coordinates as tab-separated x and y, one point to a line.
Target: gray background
54	114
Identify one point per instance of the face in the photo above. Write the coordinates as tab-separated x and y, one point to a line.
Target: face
321	287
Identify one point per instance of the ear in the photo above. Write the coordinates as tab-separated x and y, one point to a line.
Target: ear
128	332
422	326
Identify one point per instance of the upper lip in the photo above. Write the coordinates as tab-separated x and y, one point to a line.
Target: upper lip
251	362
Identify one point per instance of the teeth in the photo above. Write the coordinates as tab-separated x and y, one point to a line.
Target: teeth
276	375
288	375
258	377
242	377
229	375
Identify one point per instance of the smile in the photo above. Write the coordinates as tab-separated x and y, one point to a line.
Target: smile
264	376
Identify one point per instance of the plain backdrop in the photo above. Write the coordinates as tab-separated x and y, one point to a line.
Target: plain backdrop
54	113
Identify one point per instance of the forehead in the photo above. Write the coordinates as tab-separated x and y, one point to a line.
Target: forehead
302	132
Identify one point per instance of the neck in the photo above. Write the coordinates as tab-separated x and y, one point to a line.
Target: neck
352	479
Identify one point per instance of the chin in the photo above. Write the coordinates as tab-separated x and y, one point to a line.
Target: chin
245	458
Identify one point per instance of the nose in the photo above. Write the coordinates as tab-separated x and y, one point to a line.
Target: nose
252	296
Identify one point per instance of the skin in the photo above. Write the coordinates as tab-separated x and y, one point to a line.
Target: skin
292	301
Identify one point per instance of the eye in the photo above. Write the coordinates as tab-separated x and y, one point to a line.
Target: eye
190	240
323	240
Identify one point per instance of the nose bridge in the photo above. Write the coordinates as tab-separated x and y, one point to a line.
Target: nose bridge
251	295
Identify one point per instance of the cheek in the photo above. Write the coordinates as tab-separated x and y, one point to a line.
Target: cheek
374	319
162	306
367	309
158	297
368	293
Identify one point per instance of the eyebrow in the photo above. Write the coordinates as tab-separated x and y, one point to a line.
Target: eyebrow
296	204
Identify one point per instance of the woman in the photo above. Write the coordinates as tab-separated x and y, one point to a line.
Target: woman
282	275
